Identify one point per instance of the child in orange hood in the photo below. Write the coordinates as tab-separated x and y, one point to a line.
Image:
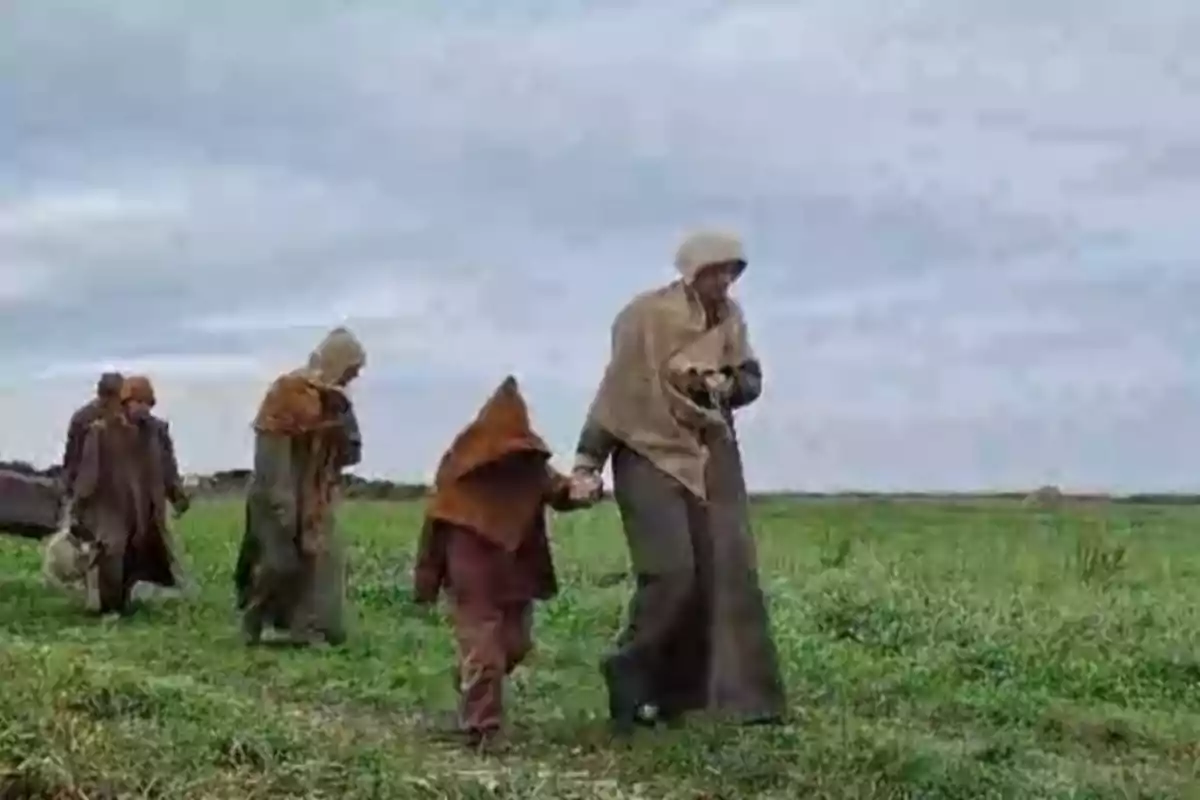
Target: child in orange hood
484	541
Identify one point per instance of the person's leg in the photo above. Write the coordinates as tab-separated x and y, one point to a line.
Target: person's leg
252	621
654	514
478	629
682	684
517	633
110	581
272	599
130	574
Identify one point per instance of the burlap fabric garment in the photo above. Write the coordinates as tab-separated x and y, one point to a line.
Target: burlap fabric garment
656	339
698	636
291	570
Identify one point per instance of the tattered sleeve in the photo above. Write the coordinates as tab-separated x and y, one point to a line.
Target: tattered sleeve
73	449
747	383
595	444
350	453
171	478
86	479
746	374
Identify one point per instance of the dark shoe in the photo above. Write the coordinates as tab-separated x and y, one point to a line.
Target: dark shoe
647	716
485	743
627	708
445	729
252	630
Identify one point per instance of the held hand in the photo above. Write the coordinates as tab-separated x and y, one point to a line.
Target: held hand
586	486
693	382
705	387
719	384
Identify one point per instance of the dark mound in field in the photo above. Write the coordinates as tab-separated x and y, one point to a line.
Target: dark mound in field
30	505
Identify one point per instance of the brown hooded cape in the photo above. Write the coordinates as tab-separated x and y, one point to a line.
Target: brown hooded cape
473	490
485	524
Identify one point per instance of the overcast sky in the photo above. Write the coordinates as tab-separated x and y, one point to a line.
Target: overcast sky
972	227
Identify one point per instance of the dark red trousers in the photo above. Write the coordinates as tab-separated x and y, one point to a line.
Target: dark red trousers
492	640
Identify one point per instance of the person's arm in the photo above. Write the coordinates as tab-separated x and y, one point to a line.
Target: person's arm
429	570
595	445
86	479
172	479
351	450
73	449
745	383
745	379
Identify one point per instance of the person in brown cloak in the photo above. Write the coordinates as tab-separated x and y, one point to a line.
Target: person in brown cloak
108	393
485	541
291	569
698	635
121	488
157	471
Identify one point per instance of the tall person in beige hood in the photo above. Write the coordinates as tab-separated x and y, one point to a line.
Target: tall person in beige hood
698	635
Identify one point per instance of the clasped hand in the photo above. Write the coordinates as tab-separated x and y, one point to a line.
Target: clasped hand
713	383
586	486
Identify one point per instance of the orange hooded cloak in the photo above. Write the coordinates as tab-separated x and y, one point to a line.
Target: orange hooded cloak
494	483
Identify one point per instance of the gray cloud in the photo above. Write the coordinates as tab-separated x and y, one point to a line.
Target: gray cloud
969	229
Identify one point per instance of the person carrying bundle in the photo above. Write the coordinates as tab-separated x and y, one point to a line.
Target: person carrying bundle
125	477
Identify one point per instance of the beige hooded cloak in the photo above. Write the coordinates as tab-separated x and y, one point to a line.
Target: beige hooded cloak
698	635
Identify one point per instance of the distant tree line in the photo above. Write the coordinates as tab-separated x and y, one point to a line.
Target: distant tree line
234	481
1137	498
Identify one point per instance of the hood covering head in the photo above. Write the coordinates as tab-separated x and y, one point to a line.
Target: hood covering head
498	504
109	385
338	352
705	248
310	399
138	388
500	429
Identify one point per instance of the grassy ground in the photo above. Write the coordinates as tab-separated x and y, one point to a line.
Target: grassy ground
931	651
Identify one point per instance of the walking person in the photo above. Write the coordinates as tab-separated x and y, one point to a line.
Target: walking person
157	470
121	488
485	542
108	396
291	569
698	634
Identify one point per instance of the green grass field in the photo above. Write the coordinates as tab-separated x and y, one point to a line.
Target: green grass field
931	651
